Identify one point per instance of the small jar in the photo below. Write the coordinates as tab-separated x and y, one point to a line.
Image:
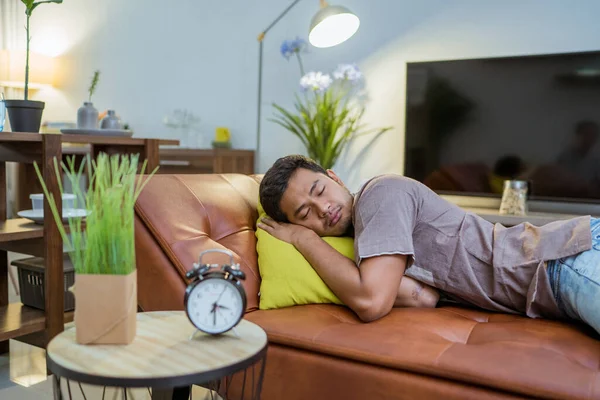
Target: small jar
111	121
514	198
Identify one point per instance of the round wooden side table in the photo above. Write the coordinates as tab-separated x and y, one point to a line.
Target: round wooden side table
168	355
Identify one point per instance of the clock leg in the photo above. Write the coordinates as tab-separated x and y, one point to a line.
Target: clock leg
180	393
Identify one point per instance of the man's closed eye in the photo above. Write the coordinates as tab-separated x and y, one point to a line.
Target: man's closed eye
306	215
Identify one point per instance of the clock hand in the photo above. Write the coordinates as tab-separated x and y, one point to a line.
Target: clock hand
223	307
223	291
213	311
220	313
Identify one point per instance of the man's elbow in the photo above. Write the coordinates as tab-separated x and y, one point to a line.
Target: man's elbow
373	309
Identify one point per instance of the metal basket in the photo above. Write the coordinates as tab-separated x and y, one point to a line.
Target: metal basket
31	282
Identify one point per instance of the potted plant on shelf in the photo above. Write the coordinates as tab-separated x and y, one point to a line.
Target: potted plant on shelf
102	249
26	115
326	117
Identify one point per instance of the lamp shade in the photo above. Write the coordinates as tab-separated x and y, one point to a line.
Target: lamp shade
12	69
331	26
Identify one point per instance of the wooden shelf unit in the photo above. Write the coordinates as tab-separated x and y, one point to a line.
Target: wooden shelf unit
19	320
206	161
26	237
19	229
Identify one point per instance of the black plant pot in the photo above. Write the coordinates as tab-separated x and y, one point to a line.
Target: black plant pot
25	115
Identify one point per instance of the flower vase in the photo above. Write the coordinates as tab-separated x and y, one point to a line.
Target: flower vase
87	116
105	308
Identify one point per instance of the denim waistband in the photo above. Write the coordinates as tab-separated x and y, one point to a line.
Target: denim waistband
553	266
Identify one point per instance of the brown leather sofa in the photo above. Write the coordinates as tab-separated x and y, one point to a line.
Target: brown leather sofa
324	351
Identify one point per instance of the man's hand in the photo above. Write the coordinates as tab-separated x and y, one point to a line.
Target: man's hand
412	293
287	232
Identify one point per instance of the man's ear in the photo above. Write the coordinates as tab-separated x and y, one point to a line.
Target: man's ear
336	178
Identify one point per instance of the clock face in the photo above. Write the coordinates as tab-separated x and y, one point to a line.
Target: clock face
215	305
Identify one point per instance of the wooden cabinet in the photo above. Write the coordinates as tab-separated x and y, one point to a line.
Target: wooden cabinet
205	161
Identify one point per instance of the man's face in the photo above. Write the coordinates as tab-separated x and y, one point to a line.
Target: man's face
318	202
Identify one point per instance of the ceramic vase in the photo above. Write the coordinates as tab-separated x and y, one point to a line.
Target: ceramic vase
111	121
87	116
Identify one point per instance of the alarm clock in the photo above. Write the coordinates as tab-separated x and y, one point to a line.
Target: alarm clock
215	300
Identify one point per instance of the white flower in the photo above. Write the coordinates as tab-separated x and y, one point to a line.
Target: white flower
315	81
349	72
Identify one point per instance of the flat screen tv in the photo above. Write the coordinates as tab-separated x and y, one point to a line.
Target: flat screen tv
471	124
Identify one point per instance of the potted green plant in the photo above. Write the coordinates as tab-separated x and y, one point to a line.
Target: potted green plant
326	117
26	115
102	249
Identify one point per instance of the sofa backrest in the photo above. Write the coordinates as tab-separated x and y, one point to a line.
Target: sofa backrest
187	214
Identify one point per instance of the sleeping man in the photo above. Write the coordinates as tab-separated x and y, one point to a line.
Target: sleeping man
410	243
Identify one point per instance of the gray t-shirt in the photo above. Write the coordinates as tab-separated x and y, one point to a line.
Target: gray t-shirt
488	265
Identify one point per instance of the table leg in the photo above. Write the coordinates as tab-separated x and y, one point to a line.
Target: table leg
4	271
3	254
180	393
56	388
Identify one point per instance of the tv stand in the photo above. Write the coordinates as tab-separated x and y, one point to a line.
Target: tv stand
540	212
534	218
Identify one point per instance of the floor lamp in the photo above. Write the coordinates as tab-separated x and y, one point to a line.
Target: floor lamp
330	26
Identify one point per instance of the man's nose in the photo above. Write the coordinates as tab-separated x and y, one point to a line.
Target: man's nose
323	208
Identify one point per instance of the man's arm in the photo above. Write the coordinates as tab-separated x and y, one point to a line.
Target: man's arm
370	291
372	274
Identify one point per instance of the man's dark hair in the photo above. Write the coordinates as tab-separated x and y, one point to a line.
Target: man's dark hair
275	182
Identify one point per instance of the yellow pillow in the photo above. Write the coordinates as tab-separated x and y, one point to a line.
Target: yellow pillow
287	279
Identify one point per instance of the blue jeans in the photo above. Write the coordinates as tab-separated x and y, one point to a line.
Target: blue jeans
575	282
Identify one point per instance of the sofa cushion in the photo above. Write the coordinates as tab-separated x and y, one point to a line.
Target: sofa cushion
187	214
503	352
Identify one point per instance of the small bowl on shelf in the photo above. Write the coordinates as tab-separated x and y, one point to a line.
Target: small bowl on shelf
37	201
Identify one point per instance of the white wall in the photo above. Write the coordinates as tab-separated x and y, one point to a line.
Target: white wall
156	56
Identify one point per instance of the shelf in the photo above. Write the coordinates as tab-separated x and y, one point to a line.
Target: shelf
86	139
20	229
26	237
18	320
20	137
112	140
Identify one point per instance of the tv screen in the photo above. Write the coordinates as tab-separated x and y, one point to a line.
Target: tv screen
471	124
